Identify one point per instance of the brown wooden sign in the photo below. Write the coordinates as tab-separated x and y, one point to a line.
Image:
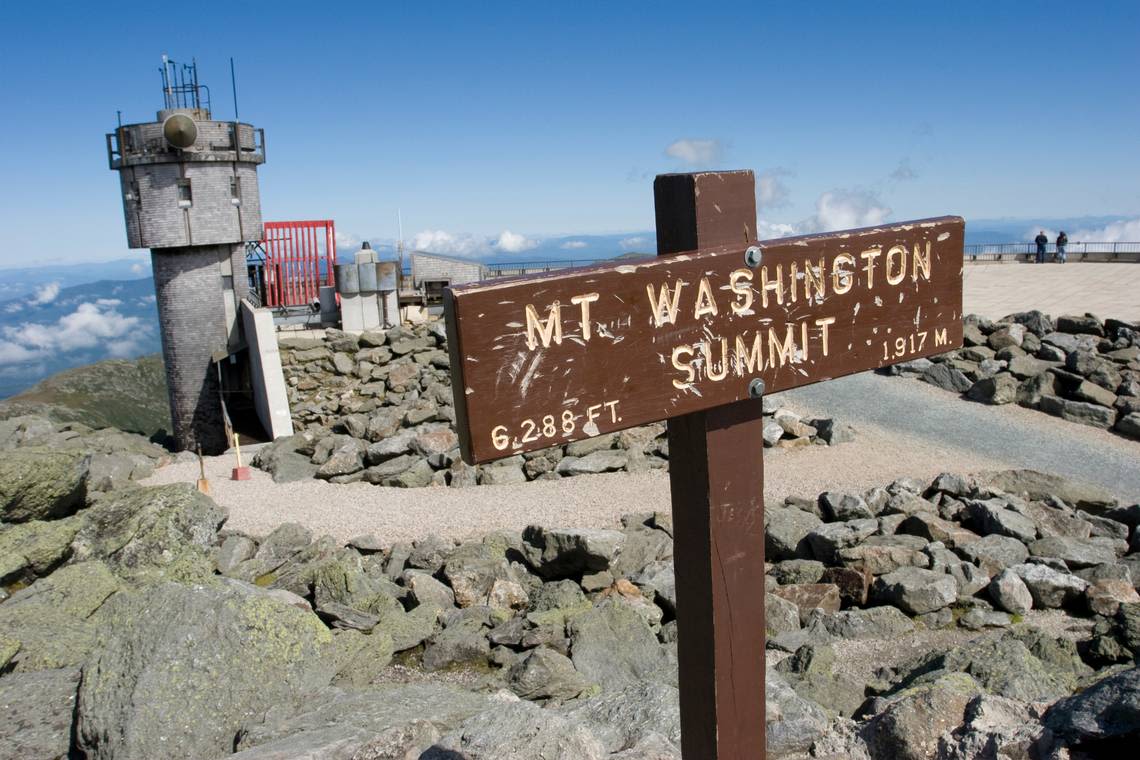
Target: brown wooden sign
541	361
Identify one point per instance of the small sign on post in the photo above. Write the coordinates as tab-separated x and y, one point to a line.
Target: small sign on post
695	337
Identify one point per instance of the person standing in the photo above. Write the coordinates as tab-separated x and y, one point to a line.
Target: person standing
1062	241
1041	241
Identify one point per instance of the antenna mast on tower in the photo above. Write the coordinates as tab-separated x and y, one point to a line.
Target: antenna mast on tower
400	242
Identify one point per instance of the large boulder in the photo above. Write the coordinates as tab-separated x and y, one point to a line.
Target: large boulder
994	553
785	533
998	389
518	730
909	727
1030	667
54	620
41	484
613	645
1107	711
994	516
546	674
284	461
1075	552
355	718
1010	593
994	727
36	711
184	668
1051	588
1040	486
568	552
627	717
153	533
35	548
794	724
872	623
812	672
916	590
480	574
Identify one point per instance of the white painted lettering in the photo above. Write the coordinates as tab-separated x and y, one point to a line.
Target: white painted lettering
869	257
686	367
706	304
552	330
665	304
842	273
739	282
585	300
896	252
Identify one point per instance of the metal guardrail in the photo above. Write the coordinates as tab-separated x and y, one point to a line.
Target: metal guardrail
1080	251
515	268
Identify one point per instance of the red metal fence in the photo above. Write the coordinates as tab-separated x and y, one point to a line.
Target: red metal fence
299	259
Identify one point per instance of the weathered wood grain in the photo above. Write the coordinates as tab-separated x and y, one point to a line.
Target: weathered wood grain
544	360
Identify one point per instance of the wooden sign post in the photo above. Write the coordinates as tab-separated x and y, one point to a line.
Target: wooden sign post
696	337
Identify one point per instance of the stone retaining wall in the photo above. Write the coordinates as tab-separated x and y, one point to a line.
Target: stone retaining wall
378	408
1080	368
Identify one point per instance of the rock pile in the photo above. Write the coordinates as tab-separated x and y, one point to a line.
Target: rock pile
1076	367
141	627
378	408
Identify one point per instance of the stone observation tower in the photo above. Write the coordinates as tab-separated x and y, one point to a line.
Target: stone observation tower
189	188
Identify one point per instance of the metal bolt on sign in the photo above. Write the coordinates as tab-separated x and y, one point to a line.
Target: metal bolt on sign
752	256
756	387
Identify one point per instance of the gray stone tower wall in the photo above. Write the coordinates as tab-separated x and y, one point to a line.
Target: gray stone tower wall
192	318
157	218
194	208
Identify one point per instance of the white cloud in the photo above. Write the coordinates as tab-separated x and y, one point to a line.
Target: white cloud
108	302
771	192
90	326
45	294
1127	231
844	209
695	152
439	241
573	245
769	230
138	268
631	243
14	353
12	308
347	240
510	242
467	245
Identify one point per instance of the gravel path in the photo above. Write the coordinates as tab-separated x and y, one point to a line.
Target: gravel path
905	428
1006	436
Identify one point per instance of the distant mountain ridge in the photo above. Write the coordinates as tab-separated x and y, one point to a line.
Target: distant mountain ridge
128	394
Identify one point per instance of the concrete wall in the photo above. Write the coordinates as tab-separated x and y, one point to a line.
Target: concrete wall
270	397
197	317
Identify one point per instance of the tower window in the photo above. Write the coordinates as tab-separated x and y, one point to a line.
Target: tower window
235	190
185	197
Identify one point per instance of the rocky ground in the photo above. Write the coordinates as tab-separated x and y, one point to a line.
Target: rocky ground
1079	368
378	408
987	616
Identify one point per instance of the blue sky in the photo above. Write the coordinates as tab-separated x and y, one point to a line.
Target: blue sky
480	118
